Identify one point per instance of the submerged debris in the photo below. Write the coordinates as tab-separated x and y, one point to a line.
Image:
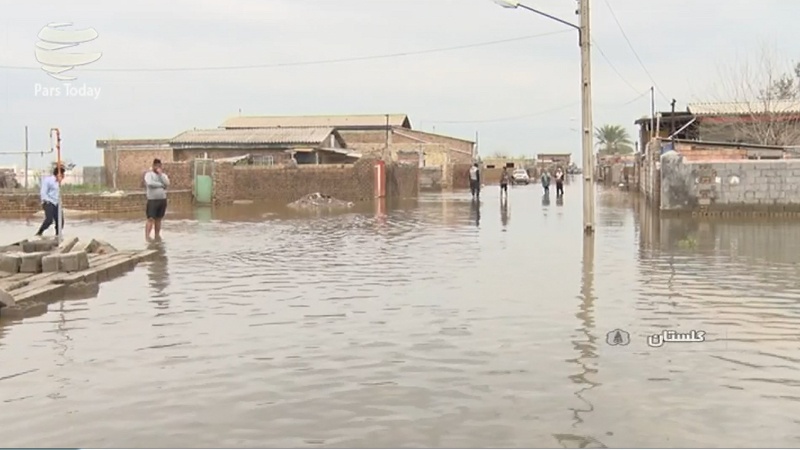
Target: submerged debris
317	200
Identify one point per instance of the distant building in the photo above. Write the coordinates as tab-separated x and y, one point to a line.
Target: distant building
264	145
558	159
375	135
774	123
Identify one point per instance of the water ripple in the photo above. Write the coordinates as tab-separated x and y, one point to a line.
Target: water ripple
442	323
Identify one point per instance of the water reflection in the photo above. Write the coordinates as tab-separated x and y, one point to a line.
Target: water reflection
546	199
504	212
585	344
559	201
475	211
158	274
203	214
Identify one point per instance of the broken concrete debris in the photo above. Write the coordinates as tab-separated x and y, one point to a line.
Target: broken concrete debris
317	200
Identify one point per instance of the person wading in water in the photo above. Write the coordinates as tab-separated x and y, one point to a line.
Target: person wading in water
505	177
559	183
156	183
50	196
475	181
546	182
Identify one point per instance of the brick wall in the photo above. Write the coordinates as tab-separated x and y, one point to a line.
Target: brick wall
132	164
459	176
352	182
20	203
402	180
740	187
225	182
438	149
693	152
181	175
287	184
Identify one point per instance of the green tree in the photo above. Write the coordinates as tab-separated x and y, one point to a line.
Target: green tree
613	140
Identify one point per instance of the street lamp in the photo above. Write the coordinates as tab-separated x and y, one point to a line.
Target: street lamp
587	145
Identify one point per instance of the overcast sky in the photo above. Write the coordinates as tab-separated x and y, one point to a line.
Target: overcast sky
521	96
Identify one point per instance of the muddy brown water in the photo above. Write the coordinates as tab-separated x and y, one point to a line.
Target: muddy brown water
436	324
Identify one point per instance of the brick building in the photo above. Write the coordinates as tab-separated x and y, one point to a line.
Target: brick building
126	159
266	146
374	135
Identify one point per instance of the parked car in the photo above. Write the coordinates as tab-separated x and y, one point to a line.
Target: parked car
520	176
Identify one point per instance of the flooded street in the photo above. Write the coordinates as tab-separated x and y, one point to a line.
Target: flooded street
438	324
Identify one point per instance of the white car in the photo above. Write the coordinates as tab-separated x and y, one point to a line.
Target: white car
520	176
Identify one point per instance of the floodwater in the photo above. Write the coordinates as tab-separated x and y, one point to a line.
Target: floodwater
436	324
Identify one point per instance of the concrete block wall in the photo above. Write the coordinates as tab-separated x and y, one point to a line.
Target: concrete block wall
132	164
17	204
730	187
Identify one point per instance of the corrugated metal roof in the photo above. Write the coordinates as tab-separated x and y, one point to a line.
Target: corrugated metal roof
745	108
376	120
254	136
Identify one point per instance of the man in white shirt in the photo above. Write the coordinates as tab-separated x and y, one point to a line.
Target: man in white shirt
475	181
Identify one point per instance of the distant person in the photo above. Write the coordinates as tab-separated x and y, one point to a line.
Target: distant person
546	182
505	177
156	182
559	183
475	181
50	196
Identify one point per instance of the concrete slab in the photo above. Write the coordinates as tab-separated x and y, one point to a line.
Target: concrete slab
66	262
67	246
10	262
32	262
43	245
74	261
6	299
51	263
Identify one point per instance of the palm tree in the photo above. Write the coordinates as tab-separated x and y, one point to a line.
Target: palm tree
613	140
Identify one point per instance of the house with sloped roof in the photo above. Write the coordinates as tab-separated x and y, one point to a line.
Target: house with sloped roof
760	122
276	145
374	135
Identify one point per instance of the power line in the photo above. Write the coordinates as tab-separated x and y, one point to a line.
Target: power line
614	68
630	45
539	113
311	62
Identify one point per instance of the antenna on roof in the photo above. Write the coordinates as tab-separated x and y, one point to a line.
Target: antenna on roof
240	111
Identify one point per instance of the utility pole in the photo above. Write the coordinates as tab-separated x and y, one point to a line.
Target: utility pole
652	112
586	116
26	157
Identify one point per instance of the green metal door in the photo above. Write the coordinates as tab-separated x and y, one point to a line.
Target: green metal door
203	181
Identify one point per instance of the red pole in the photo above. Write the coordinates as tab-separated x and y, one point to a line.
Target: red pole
58	151
380	179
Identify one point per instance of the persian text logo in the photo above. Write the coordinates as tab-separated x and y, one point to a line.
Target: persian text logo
53	39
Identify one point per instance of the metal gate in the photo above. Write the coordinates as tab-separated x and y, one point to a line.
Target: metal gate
203	182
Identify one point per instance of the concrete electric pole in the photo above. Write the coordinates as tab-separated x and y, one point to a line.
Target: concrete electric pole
584	41
586	119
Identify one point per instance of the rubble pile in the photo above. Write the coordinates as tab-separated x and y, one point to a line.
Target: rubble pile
317	200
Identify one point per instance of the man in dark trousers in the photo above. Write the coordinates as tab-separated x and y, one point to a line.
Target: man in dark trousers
505	178
559	182
51	201
475	181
